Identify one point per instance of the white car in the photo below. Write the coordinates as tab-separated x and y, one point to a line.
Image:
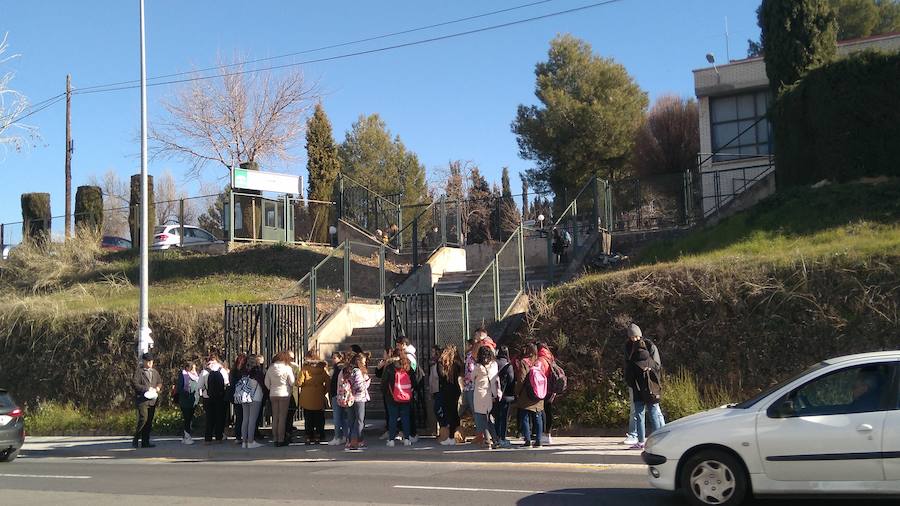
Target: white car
835	429
169	236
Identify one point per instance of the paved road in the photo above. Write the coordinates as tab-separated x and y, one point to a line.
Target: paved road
55	473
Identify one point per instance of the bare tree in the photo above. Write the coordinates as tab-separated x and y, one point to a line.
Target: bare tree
168	197
669	139
234	117
13	105
115	202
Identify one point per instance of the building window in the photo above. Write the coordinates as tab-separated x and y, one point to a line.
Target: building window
732	115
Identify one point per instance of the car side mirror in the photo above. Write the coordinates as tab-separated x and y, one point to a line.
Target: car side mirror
784	408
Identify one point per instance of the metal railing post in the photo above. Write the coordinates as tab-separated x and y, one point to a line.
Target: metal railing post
575	222
443	220
231	215
346	271
313	313
415	241
2	235
285	213
496	286
382	291
596	217
459	230
340	209
181	223
551	261
467	331
521	257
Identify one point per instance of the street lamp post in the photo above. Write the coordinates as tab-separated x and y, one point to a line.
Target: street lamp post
145	342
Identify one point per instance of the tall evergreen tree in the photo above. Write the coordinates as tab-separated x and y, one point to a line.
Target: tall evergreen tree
795	37
478	209
526	215
323	165
508	217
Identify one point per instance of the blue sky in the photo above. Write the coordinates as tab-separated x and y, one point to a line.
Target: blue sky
451	99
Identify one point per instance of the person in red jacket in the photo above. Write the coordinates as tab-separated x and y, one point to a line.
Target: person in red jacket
547	358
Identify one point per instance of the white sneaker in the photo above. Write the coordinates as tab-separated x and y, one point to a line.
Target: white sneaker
384	436
450	441
335	442
414	439
187	441
545	439
243	444
407	442
254	444
629	441
390	443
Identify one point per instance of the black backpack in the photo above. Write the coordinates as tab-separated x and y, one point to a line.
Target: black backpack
507	385
650	385
557	380
215	385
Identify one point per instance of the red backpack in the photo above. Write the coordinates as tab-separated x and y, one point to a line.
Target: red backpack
402	391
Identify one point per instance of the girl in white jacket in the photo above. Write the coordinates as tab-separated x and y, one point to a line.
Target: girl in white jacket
487	390
279	380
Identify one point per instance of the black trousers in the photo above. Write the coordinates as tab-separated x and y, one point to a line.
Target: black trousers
238	419
187	417
215	419
314	423
145	413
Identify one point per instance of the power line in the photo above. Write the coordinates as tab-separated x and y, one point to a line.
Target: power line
322	48
367	51
36	109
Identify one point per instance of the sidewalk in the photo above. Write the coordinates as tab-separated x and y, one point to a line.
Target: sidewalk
570	451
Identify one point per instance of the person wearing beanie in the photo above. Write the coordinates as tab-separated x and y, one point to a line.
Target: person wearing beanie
636	336
641	375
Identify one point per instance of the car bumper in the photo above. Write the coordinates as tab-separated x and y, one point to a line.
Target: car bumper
12	436
661	471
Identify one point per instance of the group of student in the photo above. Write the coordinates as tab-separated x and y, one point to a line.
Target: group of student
486	381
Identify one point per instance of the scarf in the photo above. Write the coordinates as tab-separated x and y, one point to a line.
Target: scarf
188	377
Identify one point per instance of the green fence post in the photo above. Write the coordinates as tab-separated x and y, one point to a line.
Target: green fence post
382	290
596	217
550	258
466	323
574	219
495	274
313	313
443	220
521	257
347	271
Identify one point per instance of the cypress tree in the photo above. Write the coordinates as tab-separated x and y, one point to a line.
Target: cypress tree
35	215
323	165
89	207
795	37
134	210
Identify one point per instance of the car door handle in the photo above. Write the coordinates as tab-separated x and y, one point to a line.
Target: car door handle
864	428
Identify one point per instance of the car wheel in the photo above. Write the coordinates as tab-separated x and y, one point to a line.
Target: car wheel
9	456
713	477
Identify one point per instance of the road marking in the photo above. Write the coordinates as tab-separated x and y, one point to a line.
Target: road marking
57	476
468	489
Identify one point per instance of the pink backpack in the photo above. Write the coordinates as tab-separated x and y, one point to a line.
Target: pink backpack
402	391
536	382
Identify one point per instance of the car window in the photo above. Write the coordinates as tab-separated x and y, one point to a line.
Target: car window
204	235
6	402
857	389
749	403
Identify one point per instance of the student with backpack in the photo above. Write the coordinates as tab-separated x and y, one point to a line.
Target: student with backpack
642	375
397	388
188	390
279	380
213	391
635	336
449	372
531	389
248	395
487	391
238	368
434	389
353	391
506	376
337	411
313	383
556	385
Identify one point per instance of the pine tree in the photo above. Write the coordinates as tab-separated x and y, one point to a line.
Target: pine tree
323	165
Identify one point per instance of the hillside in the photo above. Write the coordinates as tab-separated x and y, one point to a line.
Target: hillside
808	274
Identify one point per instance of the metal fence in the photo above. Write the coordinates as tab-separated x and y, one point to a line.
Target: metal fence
717	188
263	329
430	227
653	202
489	298
378	215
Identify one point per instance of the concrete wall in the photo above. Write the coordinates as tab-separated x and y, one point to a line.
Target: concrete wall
443	260
339	326
478	256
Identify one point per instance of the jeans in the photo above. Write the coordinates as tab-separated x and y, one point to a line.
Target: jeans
439	412
238	420
484	426
632	427
501	419
403	411
314	423
249	414
526	419
279	417
468	404
656	419
337	416
215	419
145	413
357	420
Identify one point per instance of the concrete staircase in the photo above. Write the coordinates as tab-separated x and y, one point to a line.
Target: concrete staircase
370	339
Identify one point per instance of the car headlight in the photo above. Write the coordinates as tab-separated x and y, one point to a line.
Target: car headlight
655	438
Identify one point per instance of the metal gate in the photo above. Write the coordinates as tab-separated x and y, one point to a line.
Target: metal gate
264	329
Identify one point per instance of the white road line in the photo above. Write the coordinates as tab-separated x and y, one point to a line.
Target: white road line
58	476
467	489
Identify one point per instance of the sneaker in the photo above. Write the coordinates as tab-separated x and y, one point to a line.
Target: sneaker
545	439
413	439
384	436
630	440
390	443
549	439
449	442
335	442
505	444
407	442
187	441
537	444
254	444
636	446
526	444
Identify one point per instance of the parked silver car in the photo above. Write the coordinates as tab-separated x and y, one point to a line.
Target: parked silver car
169	236
12	427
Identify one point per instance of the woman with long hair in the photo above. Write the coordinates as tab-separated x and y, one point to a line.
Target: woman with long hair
530	410
449	371
397	387
356	373
487	390
250	393
279	379
507	378
238	368
313	382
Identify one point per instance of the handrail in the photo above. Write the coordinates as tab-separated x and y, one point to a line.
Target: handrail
378	195
574	200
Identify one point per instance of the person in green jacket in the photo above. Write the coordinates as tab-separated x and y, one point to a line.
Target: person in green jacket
188	391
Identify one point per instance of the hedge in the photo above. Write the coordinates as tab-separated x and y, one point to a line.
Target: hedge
841	122
89	207
134	210
35	214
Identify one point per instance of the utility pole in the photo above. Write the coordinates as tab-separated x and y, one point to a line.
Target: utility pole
69	149
144	341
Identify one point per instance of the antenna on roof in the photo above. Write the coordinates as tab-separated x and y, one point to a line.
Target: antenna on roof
727	50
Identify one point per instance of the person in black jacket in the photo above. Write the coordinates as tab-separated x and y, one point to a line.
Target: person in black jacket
147	384
507	376
642	375
635	336
449	373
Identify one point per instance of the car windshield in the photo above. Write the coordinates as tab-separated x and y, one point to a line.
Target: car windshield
6	402
749	403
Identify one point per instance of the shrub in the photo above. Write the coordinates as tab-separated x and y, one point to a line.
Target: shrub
89	207
41	266
61	419
35	215
680	396
841	122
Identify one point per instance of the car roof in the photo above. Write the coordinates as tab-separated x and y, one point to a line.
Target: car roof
875	355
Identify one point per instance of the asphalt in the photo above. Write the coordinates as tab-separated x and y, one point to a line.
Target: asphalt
106	470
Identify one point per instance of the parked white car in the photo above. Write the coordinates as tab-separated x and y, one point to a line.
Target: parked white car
169	236
833	430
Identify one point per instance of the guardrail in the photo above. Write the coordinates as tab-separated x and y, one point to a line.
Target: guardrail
370	211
